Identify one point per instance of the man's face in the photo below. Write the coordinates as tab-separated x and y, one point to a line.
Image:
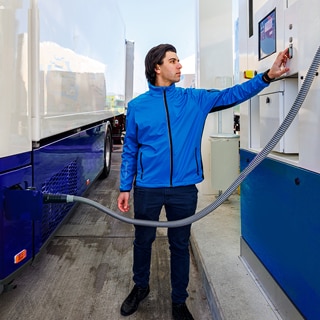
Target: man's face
169	71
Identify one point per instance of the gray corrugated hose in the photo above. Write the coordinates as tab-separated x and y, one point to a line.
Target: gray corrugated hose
224	196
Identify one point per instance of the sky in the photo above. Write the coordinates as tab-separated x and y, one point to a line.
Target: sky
149	23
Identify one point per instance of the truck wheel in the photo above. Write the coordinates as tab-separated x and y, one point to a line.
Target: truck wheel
107	154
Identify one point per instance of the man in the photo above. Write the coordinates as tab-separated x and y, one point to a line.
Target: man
162	159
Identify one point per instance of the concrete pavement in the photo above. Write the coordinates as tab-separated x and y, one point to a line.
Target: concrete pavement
231	291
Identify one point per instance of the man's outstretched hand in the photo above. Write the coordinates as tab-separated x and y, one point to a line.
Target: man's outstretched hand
279	66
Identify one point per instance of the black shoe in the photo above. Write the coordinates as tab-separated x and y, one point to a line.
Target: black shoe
131	303
181	312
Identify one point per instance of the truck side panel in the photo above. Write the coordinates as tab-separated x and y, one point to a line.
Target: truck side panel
81	58
16	228
67	166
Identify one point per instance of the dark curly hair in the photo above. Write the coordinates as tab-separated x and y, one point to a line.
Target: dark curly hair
155	56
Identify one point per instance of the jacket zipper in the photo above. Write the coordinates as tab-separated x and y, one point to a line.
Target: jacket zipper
141	165
197	164
170	135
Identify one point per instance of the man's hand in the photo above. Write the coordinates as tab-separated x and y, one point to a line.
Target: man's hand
279	66
123	201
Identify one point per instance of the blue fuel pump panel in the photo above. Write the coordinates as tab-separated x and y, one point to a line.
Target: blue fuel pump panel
282	230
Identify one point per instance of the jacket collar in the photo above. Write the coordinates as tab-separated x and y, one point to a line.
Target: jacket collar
156	90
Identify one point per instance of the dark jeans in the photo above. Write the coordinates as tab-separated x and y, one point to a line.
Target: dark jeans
179	203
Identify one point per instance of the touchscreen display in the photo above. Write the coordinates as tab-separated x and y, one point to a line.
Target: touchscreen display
267	35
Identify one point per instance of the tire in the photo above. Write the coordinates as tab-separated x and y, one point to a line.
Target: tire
107	154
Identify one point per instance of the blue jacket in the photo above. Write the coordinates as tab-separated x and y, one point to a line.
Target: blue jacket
164	129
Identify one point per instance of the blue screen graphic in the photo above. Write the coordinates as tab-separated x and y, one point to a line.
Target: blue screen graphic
267	35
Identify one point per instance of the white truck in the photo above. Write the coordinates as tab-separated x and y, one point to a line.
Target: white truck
64	87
